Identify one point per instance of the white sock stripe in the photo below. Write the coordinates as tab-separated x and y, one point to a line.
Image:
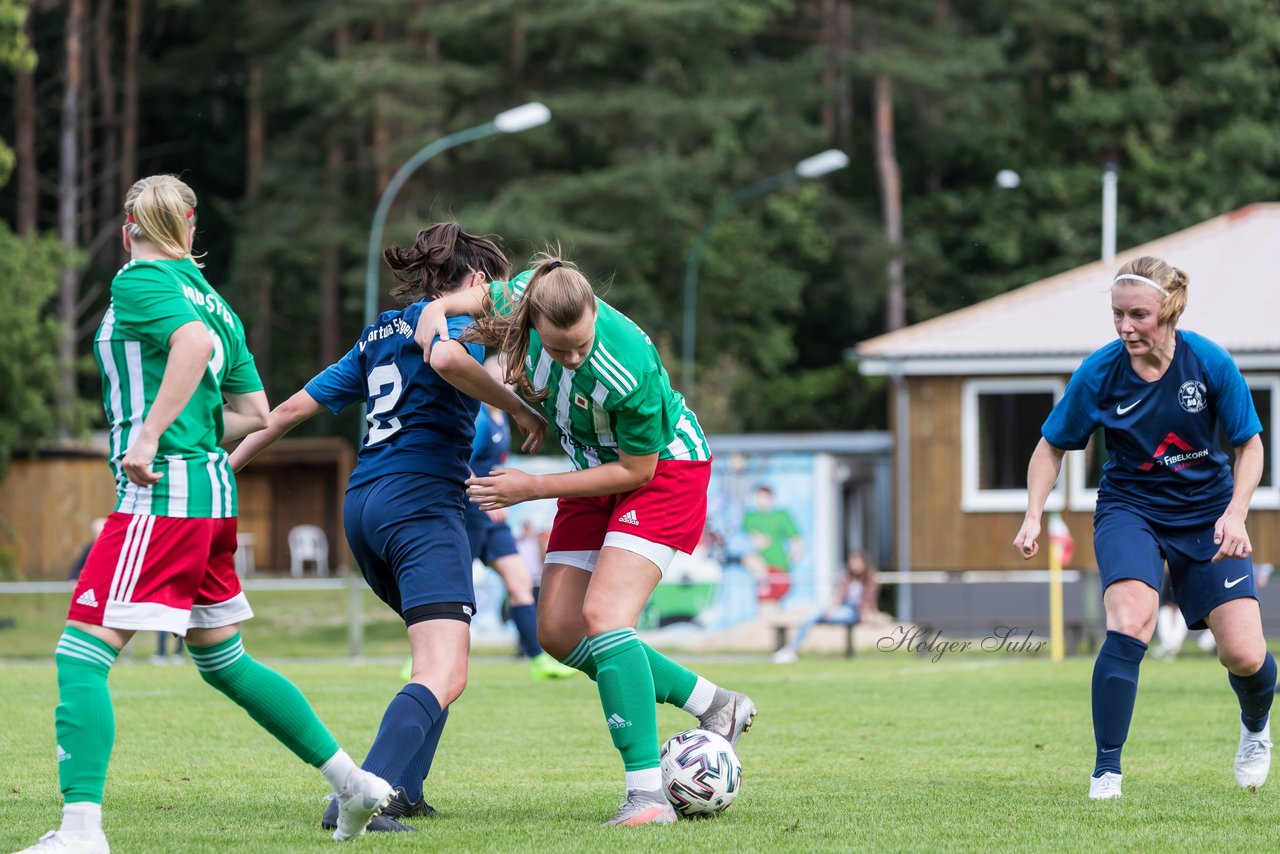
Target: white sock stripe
89	653
208	662
580	653
92	659
232	651
78	649
84	644
611	640
612	633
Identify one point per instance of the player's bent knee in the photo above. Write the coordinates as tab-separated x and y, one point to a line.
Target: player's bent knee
1242	663
557	643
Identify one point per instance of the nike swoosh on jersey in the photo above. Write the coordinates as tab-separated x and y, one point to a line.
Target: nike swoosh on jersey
1229	584
1121	410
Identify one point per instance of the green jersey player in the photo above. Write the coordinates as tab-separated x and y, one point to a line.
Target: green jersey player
637	495
177	381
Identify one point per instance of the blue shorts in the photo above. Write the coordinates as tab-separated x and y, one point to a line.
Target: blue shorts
1128	546
407	534
490	540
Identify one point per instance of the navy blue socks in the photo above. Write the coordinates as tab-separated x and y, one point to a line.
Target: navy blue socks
1256	693
410	718
413	775
1115	687
526	619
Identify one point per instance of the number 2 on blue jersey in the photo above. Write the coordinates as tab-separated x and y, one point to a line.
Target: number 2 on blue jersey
383	401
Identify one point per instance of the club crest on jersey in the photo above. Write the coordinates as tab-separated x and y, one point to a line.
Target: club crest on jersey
1191	396
581	400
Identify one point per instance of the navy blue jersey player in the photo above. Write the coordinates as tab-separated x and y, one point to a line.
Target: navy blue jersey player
493	544
1162	397
405	499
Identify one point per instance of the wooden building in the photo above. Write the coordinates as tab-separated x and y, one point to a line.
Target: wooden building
971	389
48	501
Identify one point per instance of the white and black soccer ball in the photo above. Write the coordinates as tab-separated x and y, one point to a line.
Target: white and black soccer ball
701	774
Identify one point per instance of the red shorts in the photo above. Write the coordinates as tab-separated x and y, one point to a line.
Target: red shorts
670	510
162	573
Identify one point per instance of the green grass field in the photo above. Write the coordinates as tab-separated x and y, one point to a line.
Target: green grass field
979	752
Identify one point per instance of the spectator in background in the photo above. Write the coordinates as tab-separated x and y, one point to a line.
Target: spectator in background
854	601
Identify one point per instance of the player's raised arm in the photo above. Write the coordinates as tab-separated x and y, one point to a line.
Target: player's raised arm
282	419
451	361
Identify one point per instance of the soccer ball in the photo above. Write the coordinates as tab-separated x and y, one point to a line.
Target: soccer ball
701	775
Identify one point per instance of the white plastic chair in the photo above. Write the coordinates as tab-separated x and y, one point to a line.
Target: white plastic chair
246	566
308	543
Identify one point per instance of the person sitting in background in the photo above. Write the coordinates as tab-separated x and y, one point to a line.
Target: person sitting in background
855	599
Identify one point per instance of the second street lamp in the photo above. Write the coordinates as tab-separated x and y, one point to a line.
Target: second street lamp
811	167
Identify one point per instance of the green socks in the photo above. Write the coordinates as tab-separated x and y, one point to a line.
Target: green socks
84	720
672	683
269	698
626	693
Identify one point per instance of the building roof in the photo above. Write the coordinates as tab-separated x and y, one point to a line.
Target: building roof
1049	326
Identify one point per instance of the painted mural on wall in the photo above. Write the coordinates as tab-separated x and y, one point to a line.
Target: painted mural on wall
756	548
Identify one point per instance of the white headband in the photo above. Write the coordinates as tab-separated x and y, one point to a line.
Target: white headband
1135	277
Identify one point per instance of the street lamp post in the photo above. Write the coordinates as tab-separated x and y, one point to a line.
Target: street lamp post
811	167
517	119
1008	179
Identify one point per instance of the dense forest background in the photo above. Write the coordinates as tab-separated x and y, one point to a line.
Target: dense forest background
289	119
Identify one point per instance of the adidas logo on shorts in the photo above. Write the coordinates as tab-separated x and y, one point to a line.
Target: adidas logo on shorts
87	599
629	518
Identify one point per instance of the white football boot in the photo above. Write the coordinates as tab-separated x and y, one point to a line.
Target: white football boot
1105	787
1253	758
362	797
70	842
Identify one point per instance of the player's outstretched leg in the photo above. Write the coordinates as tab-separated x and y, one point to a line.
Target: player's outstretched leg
1253	756
1115	689
727	713
86	730
281	709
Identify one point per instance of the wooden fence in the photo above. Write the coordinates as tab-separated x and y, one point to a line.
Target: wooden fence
48	503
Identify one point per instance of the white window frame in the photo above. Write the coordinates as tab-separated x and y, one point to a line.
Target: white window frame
1082	498
1268	497
973	499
